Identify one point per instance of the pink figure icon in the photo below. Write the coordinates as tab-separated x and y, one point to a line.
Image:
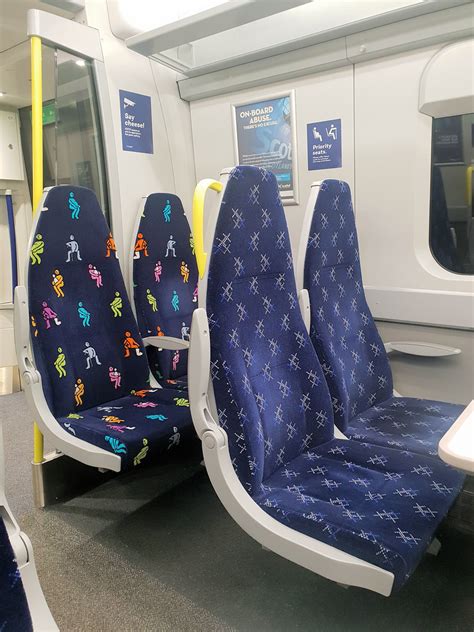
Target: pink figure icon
175	360
49	315
158	271
195	294
115	377
146	405
95	275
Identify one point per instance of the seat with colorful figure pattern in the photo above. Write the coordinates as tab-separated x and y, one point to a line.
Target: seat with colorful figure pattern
164	277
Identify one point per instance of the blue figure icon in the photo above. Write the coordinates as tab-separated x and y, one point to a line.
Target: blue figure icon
84	315
167	211
175	301
74	206
158	417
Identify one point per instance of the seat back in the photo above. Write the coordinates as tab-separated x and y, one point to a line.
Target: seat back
164	279
343	331
270	392
84	336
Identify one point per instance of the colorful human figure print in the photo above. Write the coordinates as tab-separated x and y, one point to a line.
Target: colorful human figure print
37	249
110	246
95	275
49	315
57	282
158	417
130	343
195	294
142	454
191	243
184	331
60	363
33	325
116	305
158	271
175	360
175	301
167	212
174	439
117	446
152	301
115	377
141	245
159	331
84	315
74	206
184	270
73	252
170	244
112	419
78	391
91	354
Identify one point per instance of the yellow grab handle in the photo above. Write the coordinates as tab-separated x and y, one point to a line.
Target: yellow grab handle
37	161
469	171
198	220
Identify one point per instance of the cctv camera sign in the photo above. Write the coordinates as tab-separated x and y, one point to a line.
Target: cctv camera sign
135	115
324	144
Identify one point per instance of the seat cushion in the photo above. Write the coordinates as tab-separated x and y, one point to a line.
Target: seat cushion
379	504
405	423
143	425
14	610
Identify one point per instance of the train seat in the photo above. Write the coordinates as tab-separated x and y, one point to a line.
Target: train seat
93	372
164	276
347	342
268	440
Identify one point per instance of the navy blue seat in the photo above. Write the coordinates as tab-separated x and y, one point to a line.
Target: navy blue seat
14	610
379	504
348	344
85	339
165	283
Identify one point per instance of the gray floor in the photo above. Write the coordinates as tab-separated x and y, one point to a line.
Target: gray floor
147	552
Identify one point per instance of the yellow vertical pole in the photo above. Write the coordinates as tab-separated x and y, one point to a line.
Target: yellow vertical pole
37	161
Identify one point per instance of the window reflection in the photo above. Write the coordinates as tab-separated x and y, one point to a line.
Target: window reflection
451	202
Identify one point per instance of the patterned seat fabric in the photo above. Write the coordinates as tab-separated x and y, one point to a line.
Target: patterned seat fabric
348	344
275	407
85	338
14	610
165	282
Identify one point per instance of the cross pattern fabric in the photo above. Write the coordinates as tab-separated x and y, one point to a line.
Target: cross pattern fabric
348	344
85	339
379	504
165	280
14	610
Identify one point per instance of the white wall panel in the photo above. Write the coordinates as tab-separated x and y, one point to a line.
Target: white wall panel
320	97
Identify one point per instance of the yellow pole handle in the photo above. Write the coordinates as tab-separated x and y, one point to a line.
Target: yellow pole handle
37	160
198	220
469	171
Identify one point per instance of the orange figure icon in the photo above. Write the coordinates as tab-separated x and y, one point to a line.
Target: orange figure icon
184	271
78	391
110	246
58	283
34	327
142	393
158	331
131	343
140	246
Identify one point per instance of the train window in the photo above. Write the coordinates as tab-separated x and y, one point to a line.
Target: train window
72	136
451	200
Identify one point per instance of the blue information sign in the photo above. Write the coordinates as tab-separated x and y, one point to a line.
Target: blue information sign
324	144
264	138
137	129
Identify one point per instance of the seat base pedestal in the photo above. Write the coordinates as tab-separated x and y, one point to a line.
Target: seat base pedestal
59	478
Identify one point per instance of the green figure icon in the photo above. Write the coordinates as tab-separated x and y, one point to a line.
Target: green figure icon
37	249
152	300
116	305
142	454
60	363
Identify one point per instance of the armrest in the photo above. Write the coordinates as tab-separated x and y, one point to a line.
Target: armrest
423	349
303	301
22	335
166	342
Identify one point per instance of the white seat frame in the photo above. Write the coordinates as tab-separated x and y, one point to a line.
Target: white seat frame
40	613
305	551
